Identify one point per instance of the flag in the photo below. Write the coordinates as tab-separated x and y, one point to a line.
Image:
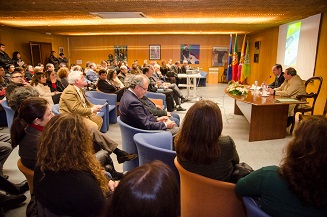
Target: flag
246	65
239	74
235	61
229	68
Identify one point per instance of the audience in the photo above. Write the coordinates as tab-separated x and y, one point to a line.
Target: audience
150	190
17	60
108	86
53	82
63	76
68	180
29	72
298	186
201	148
4	57
53	60
122	74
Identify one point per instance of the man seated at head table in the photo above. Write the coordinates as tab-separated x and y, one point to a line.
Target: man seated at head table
277	70
291	87
73	100
134	113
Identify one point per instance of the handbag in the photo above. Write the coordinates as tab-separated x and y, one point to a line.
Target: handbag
240	170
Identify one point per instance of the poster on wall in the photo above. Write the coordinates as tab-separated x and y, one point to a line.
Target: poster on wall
120	52
219	56
191	53
154	52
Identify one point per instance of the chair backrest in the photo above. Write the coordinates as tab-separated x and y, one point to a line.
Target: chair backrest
9	113
157	146
29	174
111	98
55	109
316	92
252	209
157	96
202	196
128	144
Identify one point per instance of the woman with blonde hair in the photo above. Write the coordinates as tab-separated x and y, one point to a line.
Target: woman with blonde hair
298	186
68	180
201	148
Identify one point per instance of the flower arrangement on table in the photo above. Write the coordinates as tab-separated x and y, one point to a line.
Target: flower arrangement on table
236	88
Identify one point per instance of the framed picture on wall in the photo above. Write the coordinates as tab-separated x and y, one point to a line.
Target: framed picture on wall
61	50
120	52
256	51
154	52
219	56
191	53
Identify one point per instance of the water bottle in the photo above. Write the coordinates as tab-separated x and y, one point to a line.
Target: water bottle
255	85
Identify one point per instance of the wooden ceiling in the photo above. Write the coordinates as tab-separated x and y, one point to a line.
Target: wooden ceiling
73	17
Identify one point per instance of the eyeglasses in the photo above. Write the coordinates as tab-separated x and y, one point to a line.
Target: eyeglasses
17	77
143	88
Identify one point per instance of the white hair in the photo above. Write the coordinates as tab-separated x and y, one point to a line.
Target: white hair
185	61
156	66
123	67
73	76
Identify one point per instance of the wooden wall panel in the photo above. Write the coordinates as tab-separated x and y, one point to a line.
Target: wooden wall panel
18	40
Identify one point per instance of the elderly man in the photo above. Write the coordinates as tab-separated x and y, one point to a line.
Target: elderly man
291	87
73	100
122	74
278	72
134	113
91	74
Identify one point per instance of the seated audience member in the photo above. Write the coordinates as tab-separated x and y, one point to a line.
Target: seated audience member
298	186
33	114
53	82
17	60
150	190
277	70
177	94
201	148
19	95
39	83
134	113
291	87
122	74
113	79
107	86
17	80
29	73
3	85
73	100
68	180
135	70
91	74
63	76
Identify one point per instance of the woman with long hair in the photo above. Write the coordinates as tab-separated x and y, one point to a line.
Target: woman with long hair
39	83
34	113
53	82
150	190
17	60
68	180
113	79
298	186
200	146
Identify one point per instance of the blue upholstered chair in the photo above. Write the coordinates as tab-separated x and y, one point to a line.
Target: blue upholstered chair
112	103
55	109
103	113
252	209
203	79
153	95
9	113
128	144
156	146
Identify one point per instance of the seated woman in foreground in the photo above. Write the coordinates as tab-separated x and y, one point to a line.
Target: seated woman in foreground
298	186
68	180
201	148
150	190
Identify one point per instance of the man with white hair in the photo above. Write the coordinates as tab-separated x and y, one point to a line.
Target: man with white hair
73	100
122	74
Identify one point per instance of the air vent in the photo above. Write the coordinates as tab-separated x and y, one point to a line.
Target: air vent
115	15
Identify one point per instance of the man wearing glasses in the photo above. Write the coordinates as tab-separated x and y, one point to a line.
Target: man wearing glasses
16	80
134	113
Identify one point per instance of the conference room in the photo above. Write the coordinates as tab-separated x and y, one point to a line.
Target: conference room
163	30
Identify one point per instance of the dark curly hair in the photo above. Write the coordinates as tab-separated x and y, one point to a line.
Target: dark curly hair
305	164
